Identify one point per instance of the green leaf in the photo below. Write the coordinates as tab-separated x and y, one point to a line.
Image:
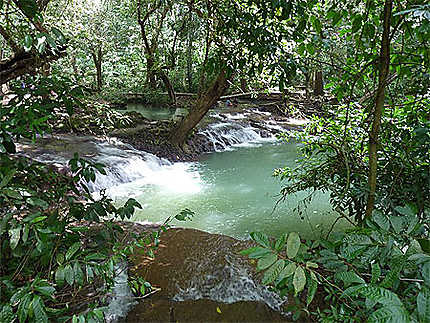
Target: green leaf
184	215
248	251
312	288
273	272
29	7
46	290
381	220
266	261
293	245
14	236
425	245
12	193
299	280
380	295
390	313
280	243
376	273
405	210
24	307
39	310
60	276
69	275
6	179
425	272
28	41
260	238
6	314
287	271
72	250
349	277
397	222
423	305
310	264
79	274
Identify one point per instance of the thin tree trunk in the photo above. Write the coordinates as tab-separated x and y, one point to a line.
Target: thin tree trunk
169	86
97	58
180	133
190	62
318	83
384	65
243	85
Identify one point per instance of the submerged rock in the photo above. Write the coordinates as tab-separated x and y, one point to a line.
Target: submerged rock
203	278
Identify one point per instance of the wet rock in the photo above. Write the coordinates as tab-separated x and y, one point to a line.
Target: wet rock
203	279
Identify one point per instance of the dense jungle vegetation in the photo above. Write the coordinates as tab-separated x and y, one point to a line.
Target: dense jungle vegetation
370	147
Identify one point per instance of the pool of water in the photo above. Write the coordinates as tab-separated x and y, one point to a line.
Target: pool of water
231	192
151	112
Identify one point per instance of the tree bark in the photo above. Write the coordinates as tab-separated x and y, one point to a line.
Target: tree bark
384	66
318	83
168	85
180	133
97	58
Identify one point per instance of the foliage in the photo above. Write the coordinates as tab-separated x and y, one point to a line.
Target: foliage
334	159
379	272
59	246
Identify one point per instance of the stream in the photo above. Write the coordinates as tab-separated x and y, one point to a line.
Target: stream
232	192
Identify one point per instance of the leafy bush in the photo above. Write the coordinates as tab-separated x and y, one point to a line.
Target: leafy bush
59	247
377	273
334	159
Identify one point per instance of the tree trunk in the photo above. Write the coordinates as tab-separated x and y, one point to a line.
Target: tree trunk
318	83
190	62
180	133
243	85
150	72
169	86
97	58
384	65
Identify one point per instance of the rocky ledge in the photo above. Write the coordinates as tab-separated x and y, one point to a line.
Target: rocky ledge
203	278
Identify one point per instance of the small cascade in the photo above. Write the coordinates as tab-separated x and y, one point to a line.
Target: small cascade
223	135
230	283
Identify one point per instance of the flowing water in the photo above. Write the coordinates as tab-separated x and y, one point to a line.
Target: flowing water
231	191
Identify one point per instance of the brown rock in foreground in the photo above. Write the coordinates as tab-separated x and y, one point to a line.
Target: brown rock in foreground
196	272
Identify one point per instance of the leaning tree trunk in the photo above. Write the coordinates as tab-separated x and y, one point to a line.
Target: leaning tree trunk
384	65
169	86
180	133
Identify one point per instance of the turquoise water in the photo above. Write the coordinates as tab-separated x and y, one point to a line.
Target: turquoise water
151	113
231	192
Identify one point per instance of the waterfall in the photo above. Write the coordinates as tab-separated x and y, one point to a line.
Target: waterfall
232	131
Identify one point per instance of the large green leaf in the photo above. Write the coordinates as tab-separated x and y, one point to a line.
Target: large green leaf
349	277
60	276
299	280
423	305
39	310
293	245
390	313
266	261
14	236
69	274
312	288
380	295
287	271
72	250
79	274
260	238
273	272
24	307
